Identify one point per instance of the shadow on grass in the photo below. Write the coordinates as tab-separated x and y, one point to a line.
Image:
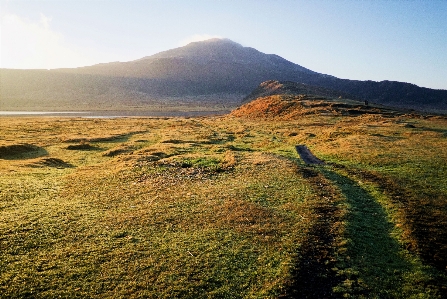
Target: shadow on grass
372	265
112	138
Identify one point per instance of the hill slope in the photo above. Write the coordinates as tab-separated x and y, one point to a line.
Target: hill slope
216	66
289	100
293	107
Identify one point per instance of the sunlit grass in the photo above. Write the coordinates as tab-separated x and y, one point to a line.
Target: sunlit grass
218	207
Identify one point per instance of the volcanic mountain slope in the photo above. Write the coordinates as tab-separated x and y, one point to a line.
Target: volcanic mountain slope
216	68
214	60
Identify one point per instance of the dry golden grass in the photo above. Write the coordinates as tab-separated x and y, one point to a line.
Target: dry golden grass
222	207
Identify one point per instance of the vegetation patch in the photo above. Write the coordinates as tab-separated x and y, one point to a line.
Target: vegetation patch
374	263
423	218
207	163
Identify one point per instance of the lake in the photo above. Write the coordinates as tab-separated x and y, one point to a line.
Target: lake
111	114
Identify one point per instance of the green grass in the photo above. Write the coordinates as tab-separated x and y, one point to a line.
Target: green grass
375	263
222	207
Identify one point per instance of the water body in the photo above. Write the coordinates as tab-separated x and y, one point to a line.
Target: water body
24	113
110	114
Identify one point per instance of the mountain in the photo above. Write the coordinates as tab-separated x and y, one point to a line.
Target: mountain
217	72
207	67
196	61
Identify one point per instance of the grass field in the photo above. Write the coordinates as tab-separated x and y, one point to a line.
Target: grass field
223	207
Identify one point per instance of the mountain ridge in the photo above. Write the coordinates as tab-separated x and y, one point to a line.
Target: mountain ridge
217	66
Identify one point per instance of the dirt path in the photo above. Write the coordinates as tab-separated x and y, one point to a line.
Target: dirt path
307	156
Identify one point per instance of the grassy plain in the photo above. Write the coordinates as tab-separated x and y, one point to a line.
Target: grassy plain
222	207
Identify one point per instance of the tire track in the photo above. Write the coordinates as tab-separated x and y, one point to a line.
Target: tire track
349	250
425	216
314	275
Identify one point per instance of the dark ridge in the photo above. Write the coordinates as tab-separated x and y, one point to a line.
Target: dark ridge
273	87
82	147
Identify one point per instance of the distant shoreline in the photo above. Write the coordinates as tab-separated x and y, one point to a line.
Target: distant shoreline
110	114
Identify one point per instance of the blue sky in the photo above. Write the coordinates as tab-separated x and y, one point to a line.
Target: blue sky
364	40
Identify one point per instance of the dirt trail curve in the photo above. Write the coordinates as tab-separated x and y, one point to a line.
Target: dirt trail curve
307	156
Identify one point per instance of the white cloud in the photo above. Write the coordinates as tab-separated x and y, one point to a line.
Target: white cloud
34	44
197	38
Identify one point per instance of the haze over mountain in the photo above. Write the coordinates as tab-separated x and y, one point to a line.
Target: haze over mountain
216	71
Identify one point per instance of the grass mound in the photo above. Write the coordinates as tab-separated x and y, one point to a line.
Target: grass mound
18	151
118	151
51	162
276	106
81	146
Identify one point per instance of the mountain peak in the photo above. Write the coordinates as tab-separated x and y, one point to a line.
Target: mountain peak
216	40
210	48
